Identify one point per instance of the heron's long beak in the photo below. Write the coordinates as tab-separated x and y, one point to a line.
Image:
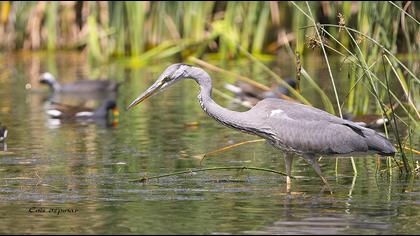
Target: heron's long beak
149	92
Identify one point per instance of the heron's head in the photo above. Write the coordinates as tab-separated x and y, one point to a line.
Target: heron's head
171	75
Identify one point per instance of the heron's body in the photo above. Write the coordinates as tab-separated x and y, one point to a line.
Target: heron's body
299	128
287	125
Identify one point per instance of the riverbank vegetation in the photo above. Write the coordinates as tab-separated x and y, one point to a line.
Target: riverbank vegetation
377	44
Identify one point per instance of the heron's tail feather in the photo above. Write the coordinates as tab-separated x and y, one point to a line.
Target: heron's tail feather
377	142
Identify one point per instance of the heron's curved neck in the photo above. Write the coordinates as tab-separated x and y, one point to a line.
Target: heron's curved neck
225	116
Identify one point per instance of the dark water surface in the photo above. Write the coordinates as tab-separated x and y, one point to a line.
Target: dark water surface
72	177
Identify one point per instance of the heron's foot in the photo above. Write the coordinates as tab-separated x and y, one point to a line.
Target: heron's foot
313	161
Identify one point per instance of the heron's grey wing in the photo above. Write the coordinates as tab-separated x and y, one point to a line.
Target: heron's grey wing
310	130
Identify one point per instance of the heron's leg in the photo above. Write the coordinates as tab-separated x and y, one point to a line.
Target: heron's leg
288	159
314	162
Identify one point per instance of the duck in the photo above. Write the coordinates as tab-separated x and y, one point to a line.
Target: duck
3	133
68	112
278	89
250	94
80	86
372	121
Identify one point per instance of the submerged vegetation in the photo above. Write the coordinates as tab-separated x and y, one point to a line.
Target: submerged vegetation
377	43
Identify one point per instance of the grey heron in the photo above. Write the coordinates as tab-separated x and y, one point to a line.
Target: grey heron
288	126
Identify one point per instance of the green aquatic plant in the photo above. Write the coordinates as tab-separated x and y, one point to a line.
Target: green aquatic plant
370	47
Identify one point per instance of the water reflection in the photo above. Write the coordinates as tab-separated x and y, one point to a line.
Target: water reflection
88	166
